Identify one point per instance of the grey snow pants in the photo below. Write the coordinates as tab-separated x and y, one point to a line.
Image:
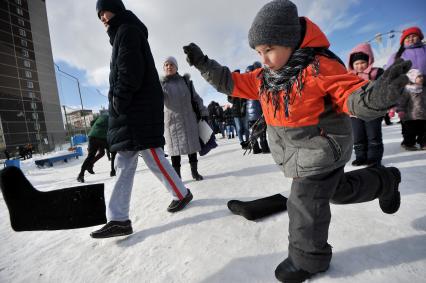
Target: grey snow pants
309	210
126	162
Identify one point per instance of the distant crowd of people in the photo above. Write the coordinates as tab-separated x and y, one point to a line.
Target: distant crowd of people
22	152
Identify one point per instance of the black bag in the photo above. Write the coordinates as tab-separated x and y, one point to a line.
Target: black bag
193	102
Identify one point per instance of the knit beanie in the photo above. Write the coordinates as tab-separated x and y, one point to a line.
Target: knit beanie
413	74
276	23
358	56
172	60
410	30
114	6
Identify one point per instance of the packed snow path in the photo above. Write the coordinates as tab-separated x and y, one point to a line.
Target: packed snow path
206	243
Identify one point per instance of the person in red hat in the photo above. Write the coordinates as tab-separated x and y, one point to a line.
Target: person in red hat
411	48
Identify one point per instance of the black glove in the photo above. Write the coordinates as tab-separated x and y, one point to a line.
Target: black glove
389	87
194	55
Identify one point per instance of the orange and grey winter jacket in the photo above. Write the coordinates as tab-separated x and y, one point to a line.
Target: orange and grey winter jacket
316	137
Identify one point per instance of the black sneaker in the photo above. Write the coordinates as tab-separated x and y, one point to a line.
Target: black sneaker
90	170
373	163
288	273
244	145
177	205
391	202
409	147
113	229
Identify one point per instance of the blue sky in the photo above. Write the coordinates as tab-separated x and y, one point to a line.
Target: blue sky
93	96
80	44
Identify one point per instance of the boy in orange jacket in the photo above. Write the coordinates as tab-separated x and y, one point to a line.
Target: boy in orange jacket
307	96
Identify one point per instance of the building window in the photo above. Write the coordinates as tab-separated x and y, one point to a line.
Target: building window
33	105
28	74
19	11
22	33
31	95
24	43
35	115
25	53
36	125
27	63
21	22
30	85
18	2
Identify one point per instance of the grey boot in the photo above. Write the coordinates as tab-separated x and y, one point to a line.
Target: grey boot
194	171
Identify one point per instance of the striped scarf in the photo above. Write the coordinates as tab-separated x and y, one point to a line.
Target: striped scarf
273	82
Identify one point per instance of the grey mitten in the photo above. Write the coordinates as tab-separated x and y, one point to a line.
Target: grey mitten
194	55
389	87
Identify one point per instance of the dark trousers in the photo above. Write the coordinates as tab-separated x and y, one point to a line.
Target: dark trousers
113	155
96	151
242	129
176	159
309	209
368	141
414	131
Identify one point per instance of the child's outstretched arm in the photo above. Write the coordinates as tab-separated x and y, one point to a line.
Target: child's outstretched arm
220	77
384	93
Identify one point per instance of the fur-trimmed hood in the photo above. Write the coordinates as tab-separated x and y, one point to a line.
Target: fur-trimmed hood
164	79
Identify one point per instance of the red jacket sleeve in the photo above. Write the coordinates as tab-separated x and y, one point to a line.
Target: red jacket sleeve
246	85
335	80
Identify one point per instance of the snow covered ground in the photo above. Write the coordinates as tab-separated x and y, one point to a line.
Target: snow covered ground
206	243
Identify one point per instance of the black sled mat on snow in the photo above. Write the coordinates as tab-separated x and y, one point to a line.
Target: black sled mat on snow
259	208
68	208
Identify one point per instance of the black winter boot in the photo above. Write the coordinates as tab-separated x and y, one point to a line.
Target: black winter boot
288	273
80	178
391	199
265	147
244	145
256	148
113	229
259	208
194	171
359	162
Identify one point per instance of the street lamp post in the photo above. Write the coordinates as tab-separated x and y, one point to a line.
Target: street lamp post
79	93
